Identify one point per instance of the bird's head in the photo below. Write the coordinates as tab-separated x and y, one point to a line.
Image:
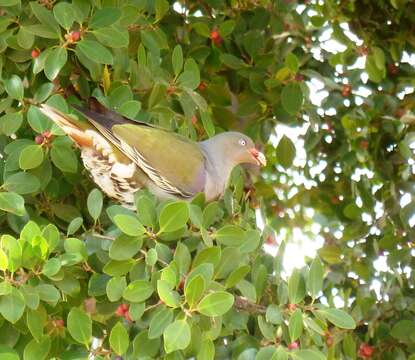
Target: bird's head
238	149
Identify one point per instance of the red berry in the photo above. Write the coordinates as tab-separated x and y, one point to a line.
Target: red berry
400	112
202	86
346	90
293	346
59	323
75	36
292	307
121	310
270	240
299	77
39	139
393	69
171	89
335	200
47	134
127	316
364	144
35	53
215	37
362	50
366	351
329	340
194	120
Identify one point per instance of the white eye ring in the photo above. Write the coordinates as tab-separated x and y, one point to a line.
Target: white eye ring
242	142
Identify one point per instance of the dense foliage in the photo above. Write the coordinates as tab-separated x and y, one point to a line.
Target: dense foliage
81	275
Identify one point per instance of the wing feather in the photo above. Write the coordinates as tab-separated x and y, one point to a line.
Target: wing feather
173	163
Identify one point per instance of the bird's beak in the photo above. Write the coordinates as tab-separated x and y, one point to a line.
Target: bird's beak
258	156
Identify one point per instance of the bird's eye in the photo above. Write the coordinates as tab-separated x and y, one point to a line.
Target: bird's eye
242	142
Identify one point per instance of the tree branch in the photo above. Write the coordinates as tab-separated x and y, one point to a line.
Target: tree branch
243	304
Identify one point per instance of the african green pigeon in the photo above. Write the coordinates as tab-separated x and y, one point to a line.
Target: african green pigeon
124	155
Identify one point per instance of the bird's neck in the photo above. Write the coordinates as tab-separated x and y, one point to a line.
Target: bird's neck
219	170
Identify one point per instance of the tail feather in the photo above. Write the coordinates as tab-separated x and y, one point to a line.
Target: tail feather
66	124
97	113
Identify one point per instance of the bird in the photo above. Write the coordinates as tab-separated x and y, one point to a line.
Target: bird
124	155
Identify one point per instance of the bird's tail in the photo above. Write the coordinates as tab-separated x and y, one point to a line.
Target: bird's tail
68	125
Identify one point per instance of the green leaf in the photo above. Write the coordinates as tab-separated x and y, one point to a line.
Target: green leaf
173	216
41	31
230	235
338	318
169	297
36	320
216	304
119	339
233	62
43	91
10	123
176	336
295	325
4	261
138	291
25	38
64	158
177	60
74	225
286	152
308	355
403	330
159	322
194	290
37	350
12	305
124	247
315	278
51	267
95	52
64	14
237	275
162	7
94	203
9	2
291	62
151	257
296	287
207	350
12	202
48	293
226	27
22	183
292	98
105	17
6	352
130	108
129	225
208	255
113	37
115	288
31	157
182	258
79	325
14	87
190	77
45	17
54	62
208	123
273	314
